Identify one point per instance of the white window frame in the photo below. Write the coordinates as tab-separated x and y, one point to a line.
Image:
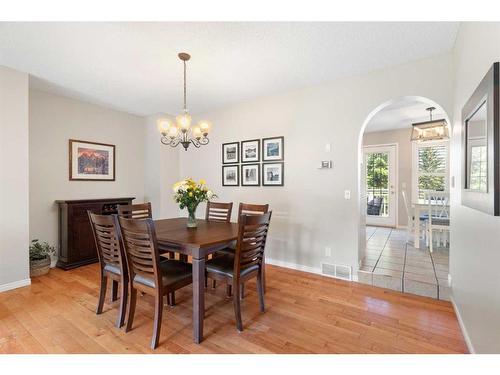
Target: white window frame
414	166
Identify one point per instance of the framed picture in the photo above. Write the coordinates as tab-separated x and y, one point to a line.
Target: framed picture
250	151
230	153
481	145
273	148
91	161
250	175
273	174
230	175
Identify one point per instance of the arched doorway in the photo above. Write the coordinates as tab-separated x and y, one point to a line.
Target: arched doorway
396	180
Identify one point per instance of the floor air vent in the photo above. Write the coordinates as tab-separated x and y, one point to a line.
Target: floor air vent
338	271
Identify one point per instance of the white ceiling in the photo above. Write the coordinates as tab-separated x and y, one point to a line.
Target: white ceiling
402	114
134	66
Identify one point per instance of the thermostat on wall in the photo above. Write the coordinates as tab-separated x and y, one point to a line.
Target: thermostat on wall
326	164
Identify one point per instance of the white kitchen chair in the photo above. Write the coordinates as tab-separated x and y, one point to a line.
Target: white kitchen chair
412	221
438	222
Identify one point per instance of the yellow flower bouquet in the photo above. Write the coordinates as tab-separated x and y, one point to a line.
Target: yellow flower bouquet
189	194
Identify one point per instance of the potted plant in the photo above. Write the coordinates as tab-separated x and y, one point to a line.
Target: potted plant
189	194
40	253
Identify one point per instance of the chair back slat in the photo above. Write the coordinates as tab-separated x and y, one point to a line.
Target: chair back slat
107	241
217	211
252	209
252	236
135	211
141	248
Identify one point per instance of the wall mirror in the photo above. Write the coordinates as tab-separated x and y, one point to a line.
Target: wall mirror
480	146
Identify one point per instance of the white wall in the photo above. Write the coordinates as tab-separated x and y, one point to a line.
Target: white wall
162	171
475	254
14	220
53	121
401	137
310	211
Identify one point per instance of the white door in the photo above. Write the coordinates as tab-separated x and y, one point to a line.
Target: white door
380	185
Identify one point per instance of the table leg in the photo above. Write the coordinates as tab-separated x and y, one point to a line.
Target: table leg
198	298
417	227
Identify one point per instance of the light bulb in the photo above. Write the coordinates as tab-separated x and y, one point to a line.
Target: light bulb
183	121
205	126
164	125
172	131
197	132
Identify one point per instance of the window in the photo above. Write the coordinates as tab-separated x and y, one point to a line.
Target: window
478	178
430	168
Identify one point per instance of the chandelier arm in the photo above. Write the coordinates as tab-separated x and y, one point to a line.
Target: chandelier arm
165	140
175	142
195	142
204	141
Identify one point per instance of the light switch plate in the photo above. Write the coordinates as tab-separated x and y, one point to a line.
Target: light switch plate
326	164
347	194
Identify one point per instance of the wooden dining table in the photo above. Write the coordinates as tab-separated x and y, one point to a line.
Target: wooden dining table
209	236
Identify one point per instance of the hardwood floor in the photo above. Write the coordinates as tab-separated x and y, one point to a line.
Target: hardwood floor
306	313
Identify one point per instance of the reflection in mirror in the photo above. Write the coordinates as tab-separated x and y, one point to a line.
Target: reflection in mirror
477	147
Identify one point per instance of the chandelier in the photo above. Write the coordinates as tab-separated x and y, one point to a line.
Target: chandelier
182	132
430	130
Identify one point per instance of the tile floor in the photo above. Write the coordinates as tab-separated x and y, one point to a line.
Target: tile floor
391	262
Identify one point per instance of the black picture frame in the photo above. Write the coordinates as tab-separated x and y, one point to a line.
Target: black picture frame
265	157
224	145
264	179
244	159
237	168
245	166
487	93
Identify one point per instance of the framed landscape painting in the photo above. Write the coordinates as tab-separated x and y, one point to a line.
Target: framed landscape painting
273	148
250	151
273	174
230	153
230	175
91	161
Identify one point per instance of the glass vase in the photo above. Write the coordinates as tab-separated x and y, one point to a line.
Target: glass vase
191	221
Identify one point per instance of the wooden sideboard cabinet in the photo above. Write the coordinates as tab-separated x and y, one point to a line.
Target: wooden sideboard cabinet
76	242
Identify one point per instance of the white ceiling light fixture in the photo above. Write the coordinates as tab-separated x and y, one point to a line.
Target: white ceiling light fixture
182	132
430	130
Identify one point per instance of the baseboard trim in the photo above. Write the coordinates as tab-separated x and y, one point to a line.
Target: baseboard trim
467	339
294	266
15	285
299	267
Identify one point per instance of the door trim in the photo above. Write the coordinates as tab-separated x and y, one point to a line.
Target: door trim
396	178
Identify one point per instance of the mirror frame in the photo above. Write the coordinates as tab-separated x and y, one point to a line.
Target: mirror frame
487	92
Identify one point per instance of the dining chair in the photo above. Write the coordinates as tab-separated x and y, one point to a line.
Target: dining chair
252	209
246	209
135	211
112	261
147	273
438	205
412	220
247	261
217	211
141	211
